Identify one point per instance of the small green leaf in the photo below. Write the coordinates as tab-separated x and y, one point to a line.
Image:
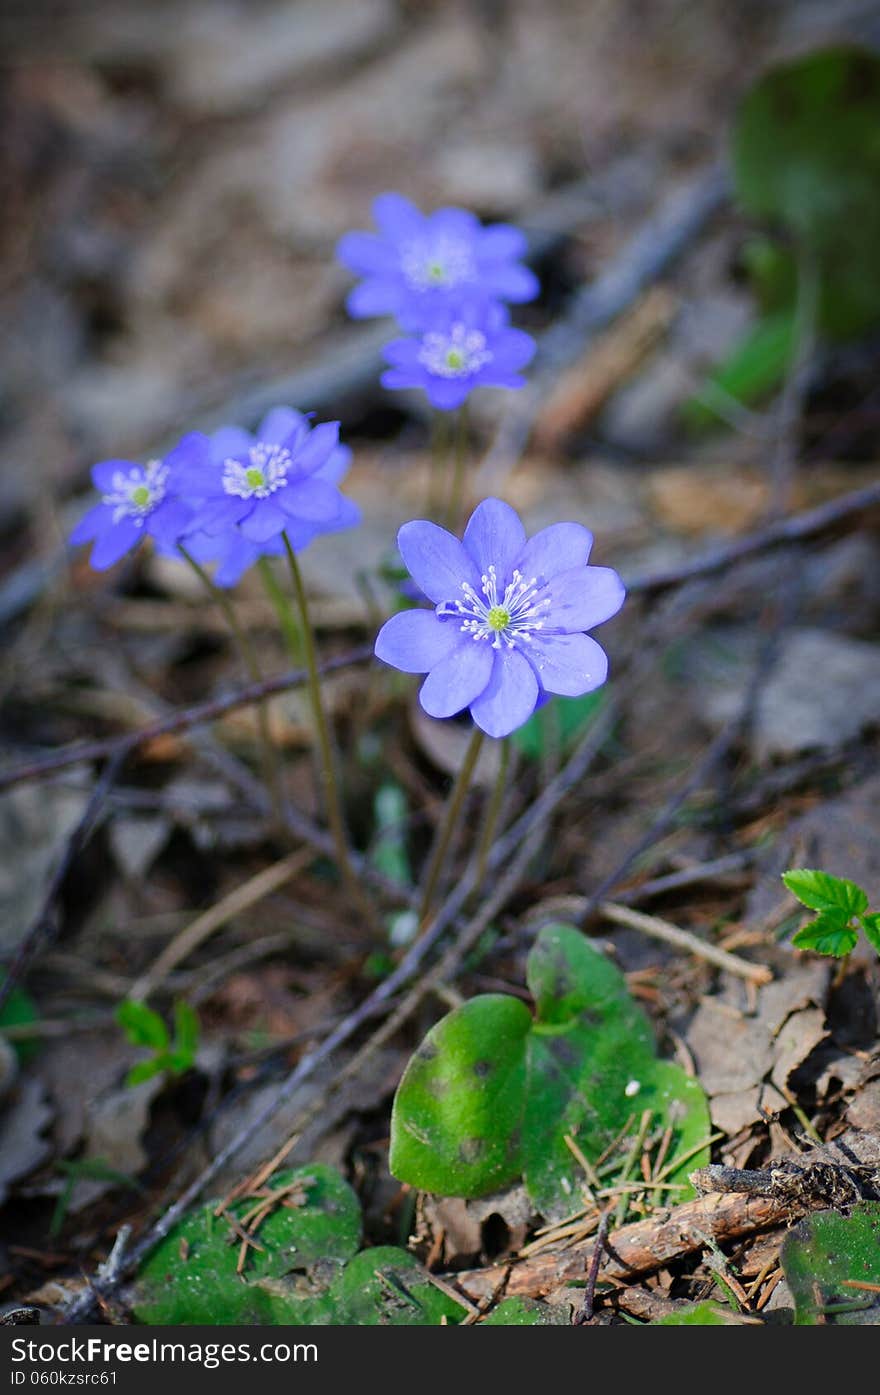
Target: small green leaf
455	1124
822	892
751	371
186	1033
145	1070
142	1025
826	1258
830	933
870	923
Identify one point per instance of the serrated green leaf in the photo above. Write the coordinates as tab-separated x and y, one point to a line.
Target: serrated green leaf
191	1278
142	1025
830	933
457	1114
826	1258
822	892
870	923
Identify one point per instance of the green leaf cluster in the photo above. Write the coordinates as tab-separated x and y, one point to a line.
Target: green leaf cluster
841	906
144	1027
495	1093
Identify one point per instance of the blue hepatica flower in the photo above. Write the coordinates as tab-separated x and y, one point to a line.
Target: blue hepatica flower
282	480
509	617
136	501
417	260
223	532
467	345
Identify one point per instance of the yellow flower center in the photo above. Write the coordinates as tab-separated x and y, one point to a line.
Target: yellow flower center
140	496
255	478
497	618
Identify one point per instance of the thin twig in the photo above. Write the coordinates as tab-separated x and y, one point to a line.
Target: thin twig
683	939
183	719
198	930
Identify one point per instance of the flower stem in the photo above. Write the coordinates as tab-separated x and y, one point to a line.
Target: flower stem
447	827
286	618
268	753
327	772
460	433
493	808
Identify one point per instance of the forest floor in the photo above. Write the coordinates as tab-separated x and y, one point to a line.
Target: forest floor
170	265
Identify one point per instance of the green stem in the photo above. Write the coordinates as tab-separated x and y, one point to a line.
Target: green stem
286	618
493	809
268	753
450	819
327	771
458	470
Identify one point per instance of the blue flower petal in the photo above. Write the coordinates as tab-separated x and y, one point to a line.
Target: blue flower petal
230	443
264	521
510	697
495	537
113	544
415	641
316	450
457	681
91	524
313	500
555	549
582	598
279	424
436	561
569	665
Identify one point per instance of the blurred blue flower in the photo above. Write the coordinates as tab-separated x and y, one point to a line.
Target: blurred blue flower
467	345
136	501
508	619
417	260
255	487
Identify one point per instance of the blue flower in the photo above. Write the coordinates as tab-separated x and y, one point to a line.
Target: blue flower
467	345
136	501
417	260
509	616
282	480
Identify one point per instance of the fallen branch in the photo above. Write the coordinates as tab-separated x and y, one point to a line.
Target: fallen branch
665	1236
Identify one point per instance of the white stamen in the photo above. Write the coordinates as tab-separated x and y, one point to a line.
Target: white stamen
508	619
437	263
136	494
265	471
456	353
